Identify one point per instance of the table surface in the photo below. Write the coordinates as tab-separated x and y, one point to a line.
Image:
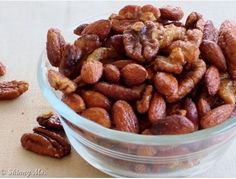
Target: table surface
23	28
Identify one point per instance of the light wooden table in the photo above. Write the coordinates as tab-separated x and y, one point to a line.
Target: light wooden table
23	27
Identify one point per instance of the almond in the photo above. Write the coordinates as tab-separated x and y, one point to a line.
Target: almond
74	101
212	80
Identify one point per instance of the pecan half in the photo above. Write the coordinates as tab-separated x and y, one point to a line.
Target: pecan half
124	117
117	92
227	91
45	142
55	46
60	82
144	104
12	89
192	20
50	120
101	54
2	69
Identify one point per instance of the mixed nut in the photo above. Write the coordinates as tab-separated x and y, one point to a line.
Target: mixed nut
145	64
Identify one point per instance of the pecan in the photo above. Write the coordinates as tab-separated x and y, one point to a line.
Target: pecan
117	92
192	113
227	42
140	42
227	91
130	12
165	83
60	82
144	104
134	74
2	69
119	24
203	107
98	115
190	80
124	117
149	13
111	73
217	116
101	28
213	54
157	110
101	54
171	13
172	64
12	89
174	124
78	30
70	61
74	101
210	32
45	142
88	43
55	46
91	72
50	120
212	80
96	99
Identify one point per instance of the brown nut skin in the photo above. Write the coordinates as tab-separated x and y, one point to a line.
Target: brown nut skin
217	116
227	42
98	115
203	107
213	54
212	80
119	25
134	74
210	32
101	54
101	28
74	101
124	117
60	82
55	46
171	13
122	63
78	30
144	104
149	13
173	125
166	83
88	43
192	113
111	73
12	89
117	92
70	60
50	120
2	69
116	42
157	109
91	71
130	12
227	91
96	99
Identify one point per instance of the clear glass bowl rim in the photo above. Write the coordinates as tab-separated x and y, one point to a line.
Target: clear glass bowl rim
119	136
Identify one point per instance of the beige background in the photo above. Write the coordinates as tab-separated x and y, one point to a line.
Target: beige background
23	27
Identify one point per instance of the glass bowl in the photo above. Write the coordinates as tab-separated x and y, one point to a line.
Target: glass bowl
122	154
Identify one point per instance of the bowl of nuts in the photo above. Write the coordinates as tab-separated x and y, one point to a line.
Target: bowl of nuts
141	93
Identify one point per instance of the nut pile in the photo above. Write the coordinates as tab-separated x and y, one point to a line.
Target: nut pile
11	89
144	71
47	139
